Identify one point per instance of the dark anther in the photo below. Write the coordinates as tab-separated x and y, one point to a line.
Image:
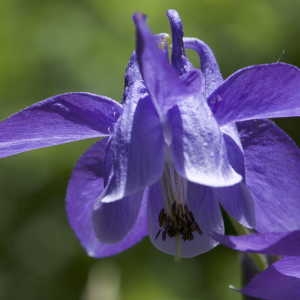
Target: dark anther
178	222
158	233
162	217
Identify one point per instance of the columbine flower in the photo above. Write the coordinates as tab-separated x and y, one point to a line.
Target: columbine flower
173	152
282	279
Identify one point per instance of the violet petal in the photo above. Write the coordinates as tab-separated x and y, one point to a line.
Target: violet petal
136	149
112	221
84	187
57	120
258	92
198	148
272	164
236	200
206	212
160	78
209	64
179	60
238	203
133	77
279	281
271	243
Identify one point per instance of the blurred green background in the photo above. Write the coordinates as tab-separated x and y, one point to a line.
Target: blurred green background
51	47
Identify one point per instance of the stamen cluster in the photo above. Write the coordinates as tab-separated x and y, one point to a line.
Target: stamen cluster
179	222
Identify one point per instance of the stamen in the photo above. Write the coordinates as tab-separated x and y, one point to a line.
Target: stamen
175	220
180	222
158	233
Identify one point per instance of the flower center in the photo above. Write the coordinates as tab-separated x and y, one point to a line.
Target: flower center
175	220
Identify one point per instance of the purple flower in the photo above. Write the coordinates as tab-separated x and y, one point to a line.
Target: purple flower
282	279
182	143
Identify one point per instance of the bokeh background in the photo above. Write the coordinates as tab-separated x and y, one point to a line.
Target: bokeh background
51	47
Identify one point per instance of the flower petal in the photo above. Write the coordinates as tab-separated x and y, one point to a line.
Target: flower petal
206	212
179	60
160	78
236	200
209	64
198	148
133	77
258	92
84	187
112	221
60	119
272	163
194	82
272	243
280	281
136	149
